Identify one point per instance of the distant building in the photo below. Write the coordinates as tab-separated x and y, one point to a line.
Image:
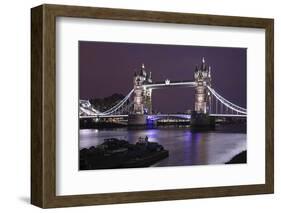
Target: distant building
189	111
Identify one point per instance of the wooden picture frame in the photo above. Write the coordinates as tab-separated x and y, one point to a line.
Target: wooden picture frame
43	105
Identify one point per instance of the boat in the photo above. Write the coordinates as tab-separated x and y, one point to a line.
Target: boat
116	153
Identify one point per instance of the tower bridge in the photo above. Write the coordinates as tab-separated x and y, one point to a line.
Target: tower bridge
137	105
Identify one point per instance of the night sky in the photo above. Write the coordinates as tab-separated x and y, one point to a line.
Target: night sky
106	68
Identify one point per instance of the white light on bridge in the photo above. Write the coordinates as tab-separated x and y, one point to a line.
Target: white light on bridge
167	81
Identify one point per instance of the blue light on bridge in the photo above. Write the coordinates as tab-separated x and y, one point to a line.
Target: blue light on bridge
149	122
165	116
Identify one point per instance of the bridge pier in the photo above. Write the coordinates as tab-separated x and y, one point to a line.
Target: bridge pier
137	120
202	121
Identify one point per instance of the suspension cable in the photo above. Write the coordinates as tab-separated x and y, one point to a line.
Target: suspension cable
225	100
228	105
117	106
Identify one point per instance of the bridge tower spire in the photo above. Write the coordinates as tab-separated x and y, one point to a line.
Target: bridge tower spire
202	76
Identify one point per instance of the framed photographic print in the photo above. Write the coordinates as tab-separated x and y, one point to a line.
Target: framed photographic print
136	106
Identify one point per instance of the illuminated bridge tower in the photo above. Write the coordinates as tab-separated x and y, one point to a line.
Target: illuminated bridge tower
142	103
142	96
200	117
202	76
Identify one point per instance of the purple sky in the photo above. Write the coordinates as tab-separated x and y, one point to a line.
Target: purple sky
106	68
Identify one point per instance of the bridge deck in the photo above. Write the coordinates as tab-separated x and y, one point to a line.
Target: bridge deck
228	115
103	116
186	116
160	85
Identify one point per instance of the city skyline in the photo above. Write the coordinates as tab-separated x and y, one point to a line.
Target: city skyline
106	68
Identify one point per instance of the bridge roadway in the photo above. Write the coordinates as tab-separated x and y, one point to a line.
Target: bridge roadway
184	116
155	116
228	115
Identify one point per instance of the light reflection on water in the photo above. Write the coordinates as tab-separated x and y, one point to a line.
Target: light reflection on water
185	147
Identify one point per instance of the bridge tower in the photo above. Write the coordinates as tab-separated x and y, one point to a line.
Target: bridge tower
142	103
200	116
202	76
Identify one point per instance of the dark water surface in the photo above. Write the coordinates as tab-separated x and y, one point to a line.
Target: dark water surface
185	146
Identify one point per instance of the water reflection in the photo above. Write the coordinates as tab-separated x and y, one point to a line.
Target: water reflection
185	147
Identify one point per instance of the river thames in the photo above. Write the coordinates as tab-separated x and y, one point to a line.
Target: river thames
185	146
